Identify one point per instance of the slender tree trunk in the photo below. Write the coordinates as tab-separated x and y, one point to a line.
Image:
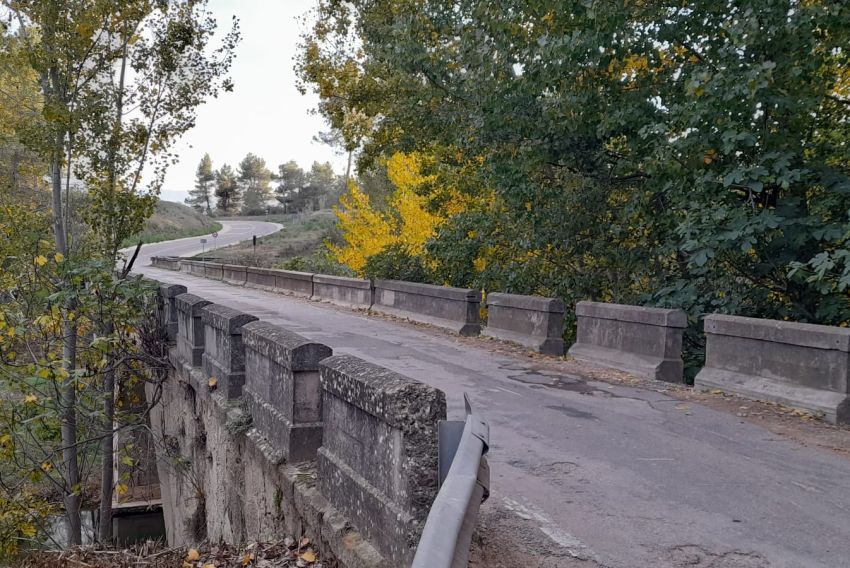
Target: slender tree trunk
68	412
107	478
348	169
107	451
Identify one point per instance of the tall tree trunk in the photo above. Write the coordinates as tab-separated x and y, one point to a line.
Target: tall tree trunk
107	451
348	170
68	411
107	478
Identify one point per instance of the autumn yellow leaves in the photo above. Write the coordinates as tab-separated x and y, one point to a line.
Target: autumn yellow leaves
410	219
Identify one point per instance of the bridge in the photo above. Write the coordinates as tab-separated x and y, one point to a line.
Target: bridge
592	467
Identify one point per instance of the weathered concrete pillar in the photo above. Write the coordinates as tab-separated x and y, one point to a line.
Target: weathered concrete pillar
168	293
456	309
234	274
224	353
282	388
646	342
348	292
378	460
796	364
190	328
531	321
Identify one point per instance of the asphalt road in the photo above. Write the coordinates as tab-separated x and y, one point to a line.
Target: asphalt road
231	232
593	474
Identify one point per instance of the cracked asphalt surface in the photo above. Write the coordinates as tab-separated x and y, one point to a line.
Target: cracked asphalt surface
594	472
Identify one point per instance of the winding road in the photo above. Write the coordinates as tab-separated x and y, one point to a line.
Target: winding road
231	232
595	473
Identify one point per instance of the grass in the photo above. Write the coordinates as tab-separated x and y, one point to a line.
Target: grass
302	237
173	221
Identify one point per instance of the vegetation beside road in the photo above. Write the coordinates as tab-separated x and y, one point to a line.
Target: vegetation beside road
173	221
684	155
299	245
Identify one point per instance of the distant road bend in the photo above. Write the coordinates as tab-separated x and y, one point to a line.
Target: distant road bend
231	232
590	473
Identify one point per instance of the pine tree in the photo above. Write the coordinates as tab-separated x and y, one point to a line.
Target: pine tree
254	180
227	190
201	197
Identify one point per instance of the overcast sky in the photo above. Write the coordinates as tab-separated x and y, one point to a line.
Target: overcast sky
264	114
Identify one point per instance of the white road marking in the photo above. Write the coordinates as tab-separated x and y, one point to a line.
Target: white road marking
573	545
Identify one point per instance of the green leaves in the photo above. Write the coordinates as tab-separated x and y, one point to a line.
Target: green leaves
631	149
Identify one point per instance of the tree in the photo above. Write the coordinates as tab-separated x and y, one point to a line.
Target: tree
201	197
227	190
688	155
407	225
95	61
291	180
254	179
321	187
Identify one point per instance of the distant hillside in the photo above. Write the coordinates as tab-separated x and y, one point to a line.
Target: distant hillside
174	221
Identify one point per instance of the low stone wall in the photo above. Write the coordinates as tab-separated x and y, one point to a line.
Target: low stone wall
282	388
456	309
166	262
193	267
234	274
168	294
348	292
224	353
262	278
291	441
797	364
646	342
213	270
531	321
190	327
378	460
293	282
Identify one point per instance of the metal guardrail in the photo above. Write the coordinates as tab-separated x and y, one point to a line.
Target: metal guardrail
448	530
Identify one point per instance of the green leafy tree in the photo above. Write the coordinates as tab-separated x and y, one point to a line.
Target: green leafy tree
254	182
681	154
323	186
291	179
201	196
227	191
119	83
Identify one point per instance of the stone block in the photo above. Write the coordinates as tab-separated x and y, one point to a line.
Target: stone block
293	282
378	460
213	270
455	309
282	388
797	364
262	278
166	262
532	321
168	293
190	328
234	274
193	267
347	292
646	342
224	353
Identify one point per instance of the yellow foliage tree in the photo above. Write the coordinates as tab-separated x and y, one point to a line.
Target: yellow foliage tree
409	221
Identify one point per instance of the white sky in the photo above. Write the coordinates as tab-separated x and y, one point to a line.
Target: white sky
264	113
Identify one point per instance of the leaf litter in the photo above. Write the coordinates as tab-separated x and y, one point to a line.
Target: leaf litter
286	553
